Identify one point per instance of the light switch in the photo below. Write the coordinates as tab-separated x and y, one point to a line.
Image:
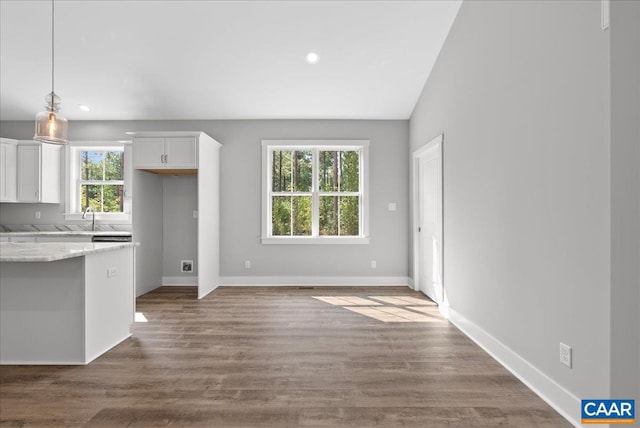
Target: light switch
392	206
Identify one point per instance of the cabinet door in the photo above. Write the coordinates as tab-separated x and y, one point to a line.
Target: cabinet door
50	173
8	173
181	152
28	173
148	152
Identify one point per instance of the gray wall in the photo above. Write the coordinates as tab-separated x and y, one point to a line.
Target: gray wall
241	200
180	229
521	93
625	200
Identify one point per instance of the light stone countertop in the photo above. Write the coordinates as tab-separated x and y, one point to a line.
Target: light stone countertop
68	233
52	251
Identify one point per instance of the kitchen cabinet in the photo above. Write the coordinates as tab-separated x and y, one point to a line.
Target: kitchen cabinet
8	173
165	153
38	173
65	303
157	191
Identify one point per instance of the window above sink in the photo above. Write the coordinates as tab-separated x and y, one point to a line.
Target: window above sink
99	176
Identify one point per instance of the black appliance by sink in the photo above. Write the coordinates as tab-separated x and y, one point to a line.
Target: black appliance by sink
111	238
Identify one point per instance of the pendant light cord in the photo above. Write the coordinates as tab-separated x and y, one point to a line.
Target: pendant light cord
52	48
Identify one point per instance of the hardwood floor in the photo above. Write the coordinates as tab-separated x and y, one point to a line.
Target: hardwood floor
280	357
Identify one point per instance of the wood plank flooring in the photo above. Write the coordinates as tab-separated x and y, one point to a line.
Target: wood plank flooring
280	357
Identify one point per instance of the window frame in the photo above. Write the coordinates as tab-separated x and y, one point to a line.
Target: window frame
73	181
315	146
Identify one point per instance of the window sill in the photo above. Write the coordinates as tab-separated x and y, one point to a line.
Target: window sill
322	240
109	218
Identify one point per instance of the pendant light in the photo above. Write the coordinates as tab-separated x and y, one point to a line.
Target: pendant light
51	126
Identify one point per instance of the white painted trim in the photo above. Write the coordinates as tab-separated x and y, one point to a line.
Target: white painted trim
346	143
171	134
563	401
72	166
445	309
400	281
42	363
429	295
435	143
315	240
606	8
360	145
180	280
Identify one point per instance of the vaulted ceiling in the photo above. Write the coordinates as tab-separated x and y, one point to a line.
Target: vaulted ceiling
220	59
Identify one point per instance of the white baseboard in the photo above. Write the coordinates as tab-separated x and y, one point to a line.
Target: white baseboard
180	280
315	280
563	401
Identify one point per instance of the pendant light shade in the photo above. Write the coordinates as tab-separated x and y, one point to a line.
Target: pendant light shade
51	126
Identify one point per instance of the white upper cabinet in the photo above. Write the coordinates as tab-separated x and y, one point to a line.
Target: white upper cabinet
38	173
157	153
148	152
181	152
8	173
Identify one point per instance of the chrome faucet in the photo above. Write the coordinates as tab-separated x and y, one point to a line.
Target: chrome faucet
93	218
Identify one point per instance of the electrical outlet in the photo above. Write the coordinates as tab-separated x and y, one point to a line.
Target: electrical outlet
392	206
565	354
112	271
374	264
37	214
247	264
195	213
186	266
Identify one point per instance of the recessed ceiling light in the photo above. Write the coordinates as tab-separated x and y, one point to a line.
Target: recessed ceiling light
83	107
312	58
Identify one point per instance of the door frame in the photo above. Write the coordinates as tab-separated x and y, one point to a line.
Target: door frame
434	144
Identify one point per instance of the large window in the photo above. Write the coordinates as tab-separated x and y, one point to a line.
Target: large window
97	177
315	192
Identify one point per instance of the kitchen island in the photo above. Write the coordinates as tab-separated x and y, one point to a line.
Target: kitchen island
64	302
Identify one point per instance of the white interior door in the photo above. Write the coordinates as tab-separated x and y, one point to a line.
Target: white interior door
429	246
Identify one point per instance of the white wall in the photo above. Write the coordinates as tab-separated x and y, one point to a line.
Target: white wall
148	230
521	93
241	200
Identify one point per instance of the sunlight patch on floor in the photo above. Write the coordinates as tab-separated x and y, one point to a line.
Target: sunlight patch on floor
389	314
393	309
347	301
402	300
140	317
431	310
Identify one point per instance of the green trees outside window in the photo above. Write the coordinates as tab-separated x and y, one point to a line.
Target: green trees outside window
291	173
331	192
339	176
101	180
